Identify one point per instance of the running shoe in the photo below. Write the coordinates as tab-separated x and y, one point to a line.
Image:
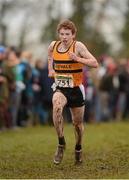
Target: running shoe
78	156
59	154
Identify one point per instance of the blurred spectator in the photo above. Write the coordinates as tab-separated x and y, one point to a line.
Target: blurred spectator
47	92
38	88
15	96
123	90
89	91
26	108
7	84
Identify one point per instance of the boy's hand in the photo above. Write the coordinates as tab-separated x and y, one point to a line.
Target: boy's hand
73	56
51	73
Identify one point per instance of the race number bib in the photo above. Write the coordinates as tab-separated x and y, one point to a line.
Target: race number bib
64	80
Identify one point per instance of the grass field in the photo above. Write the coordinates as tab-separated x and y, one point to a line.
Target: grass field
28	153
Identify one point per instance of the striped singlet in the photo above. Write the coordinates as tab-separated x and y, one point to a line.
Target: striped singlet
68	73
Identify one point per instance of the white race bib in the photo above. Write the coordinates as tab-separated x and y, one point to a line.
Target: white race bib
64	81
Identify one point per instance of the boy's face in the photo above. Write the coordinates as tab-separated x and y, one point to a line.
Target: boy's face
66	36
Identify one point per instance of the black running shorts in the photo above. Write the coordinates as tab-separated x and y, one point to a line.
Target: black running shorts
75	96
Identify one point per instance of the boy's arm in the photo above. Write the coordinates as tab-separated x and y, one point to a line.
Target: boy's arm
51	71
84	56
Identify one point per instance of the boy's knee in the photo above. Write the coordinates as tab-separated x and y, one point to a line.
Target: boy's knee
57	109
77	123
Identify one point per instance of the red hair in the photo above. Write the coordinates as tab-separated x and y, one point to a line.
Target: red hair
67	24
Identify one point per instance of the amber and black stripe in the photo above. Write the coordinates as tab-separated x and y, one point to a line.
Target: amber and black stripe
64	65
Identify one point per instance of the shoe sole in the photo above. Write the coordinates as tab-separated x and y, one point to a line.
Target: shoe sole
56	162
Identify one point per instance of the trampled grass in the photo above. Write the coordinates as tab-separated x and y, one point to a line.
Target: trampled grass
28	153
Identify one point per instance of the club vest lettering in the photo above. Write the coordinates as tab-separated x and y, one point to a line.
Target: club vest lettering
64	65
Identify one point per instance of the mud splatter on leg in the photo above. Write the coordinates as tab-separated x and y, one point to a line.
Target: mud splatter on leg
77	118
59	101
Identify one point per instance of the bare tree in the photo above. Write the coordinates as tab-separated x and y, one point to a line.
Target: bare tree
3	28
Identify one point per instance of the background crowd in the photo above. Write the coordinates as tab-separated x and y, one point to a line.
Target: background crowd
25	89
26	94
